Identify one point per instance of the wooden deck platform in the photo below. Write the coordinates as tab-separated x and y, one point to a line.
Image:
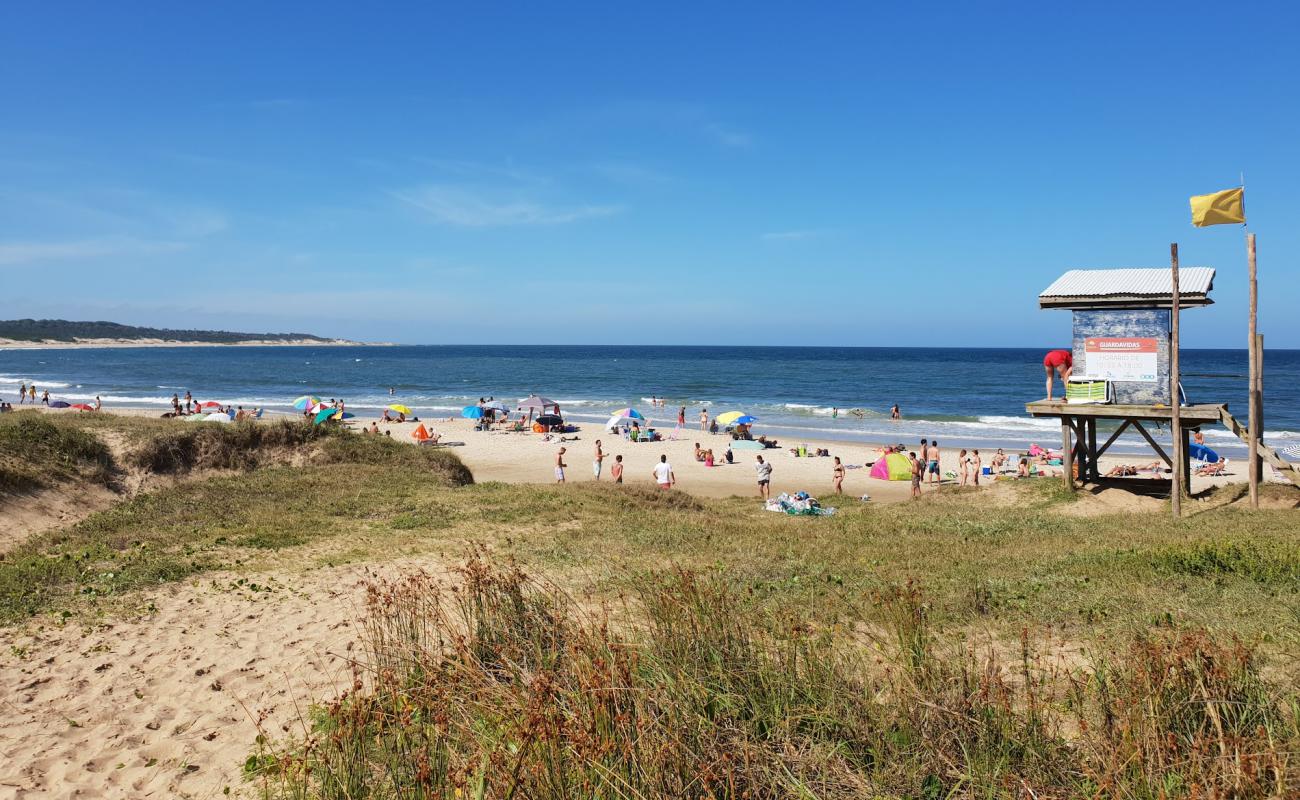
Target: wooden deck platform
1079	434
1202	414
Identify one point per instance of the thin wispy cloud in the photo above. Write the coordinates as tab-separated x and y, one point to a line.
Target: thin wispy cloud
478	170
629	174
475	208
728	137
789	236
13	253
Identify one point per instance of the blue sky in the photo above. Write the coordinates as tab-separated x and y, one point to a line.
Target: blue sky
674	173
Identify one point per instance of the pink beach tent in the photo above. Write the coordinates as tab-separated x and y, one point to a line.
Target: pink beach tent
892	467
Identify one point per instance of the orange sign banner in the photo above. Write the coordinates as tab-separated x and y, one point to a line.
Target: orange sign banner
1120	358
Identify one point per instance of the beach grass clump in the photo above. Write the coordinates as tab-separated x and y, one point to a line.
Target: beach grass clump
35	453
241	445
501	686
1261	559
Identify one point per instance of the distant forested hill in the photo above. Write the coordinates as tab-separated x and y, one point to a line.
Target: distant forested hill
62	330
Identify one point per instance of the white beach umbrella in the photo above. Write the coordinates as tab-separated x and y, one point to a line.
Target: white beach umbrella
217	417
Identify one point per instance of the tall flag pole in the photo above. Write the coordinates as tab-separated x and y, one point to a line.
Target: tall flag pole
1228	207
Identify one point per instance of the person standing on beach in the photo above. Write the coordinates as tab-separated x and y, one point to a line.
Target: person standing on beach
916	475
559	466
704	419
22	393
1062	362
31	392
597	459
932	463
764	471
681	417
99	404
976	465
45	398
963	468
663	473
616	471
837	476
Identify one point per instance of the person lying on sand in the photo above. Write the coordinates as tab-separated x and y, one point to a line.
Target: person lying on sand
1211	470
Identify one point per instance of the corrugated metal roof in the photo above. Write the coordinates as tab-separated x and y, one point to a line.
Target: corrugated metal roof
1133	282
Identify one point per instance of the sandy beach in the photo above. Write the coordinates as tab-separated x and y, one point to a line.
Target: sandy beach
529	458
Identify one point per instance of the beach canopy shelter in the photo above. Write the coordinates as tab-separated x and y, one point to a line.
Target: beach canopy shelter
892	467
471	412
324	414
538	403
82	407
305	402
495	405
420	433
733	417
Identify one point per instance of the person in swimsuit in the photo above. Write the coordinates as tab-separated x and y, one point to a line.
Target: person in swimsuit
596	460
837	476
616	471
1062	363
894	413
559	466
932	462
22	393
681	416
704	420
916	475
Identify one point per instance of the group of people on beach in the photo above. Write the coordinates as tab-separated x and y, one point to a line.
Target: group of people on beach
26	392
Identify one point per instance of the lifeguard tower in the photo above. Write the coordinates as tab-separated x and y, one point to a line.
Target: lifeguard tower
1121	349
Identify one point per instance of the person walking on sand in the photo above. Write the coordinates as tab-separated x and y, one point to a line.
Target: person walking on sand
559	466
976	465
1062	362
704	419
22	393
764	470
99	404
616	471
916	475
837	476
932	463
597	460
681	417
663	473
45	399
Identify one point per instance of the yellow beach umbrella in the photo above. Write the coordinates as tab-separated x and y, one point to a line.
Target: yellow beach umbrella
399	408
730	417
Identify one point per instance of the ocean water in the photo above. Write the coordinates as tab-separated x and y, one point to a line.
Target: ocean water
962	396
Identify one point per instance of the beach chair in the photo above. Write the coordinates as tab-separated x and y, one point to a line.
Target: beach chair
1085	390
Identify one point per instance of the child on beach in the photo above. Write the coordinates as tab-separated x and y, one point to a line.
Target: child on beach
559	466
616	471
916	475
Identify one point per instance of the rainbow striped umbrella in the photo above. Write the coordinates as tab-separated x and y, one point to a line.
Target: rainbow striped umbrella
305	402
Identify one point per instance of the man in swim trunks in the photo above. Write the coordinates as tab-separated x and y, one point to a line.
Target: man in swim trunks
1060	361
596	459
932	462
559	466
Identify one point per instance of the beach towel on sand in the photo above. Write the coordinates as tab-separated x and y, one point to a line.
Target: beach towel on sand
800	504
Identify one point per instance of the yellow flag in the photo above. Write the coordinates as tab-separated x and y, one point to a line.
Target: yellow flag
1220	208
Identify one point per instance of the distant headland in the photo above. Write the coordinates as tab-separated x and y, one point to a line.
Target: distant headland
53	333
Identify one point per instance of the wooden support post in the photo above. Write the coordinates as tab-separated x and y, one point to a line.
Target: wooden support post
1185	462
1160	451
1093	470
1252	459
1176	401
1111	440
1259	394
1067	453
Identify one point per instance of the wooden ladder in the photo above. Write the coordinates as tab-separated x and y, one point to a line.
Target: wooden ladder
1288	470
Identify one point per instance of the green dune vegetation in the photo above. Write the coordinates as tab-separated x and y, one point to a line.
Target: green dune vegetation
62	330
602	641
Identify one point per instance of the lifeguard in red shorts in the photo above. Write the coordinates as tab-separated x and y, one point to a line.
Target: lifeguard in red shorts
1062	361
